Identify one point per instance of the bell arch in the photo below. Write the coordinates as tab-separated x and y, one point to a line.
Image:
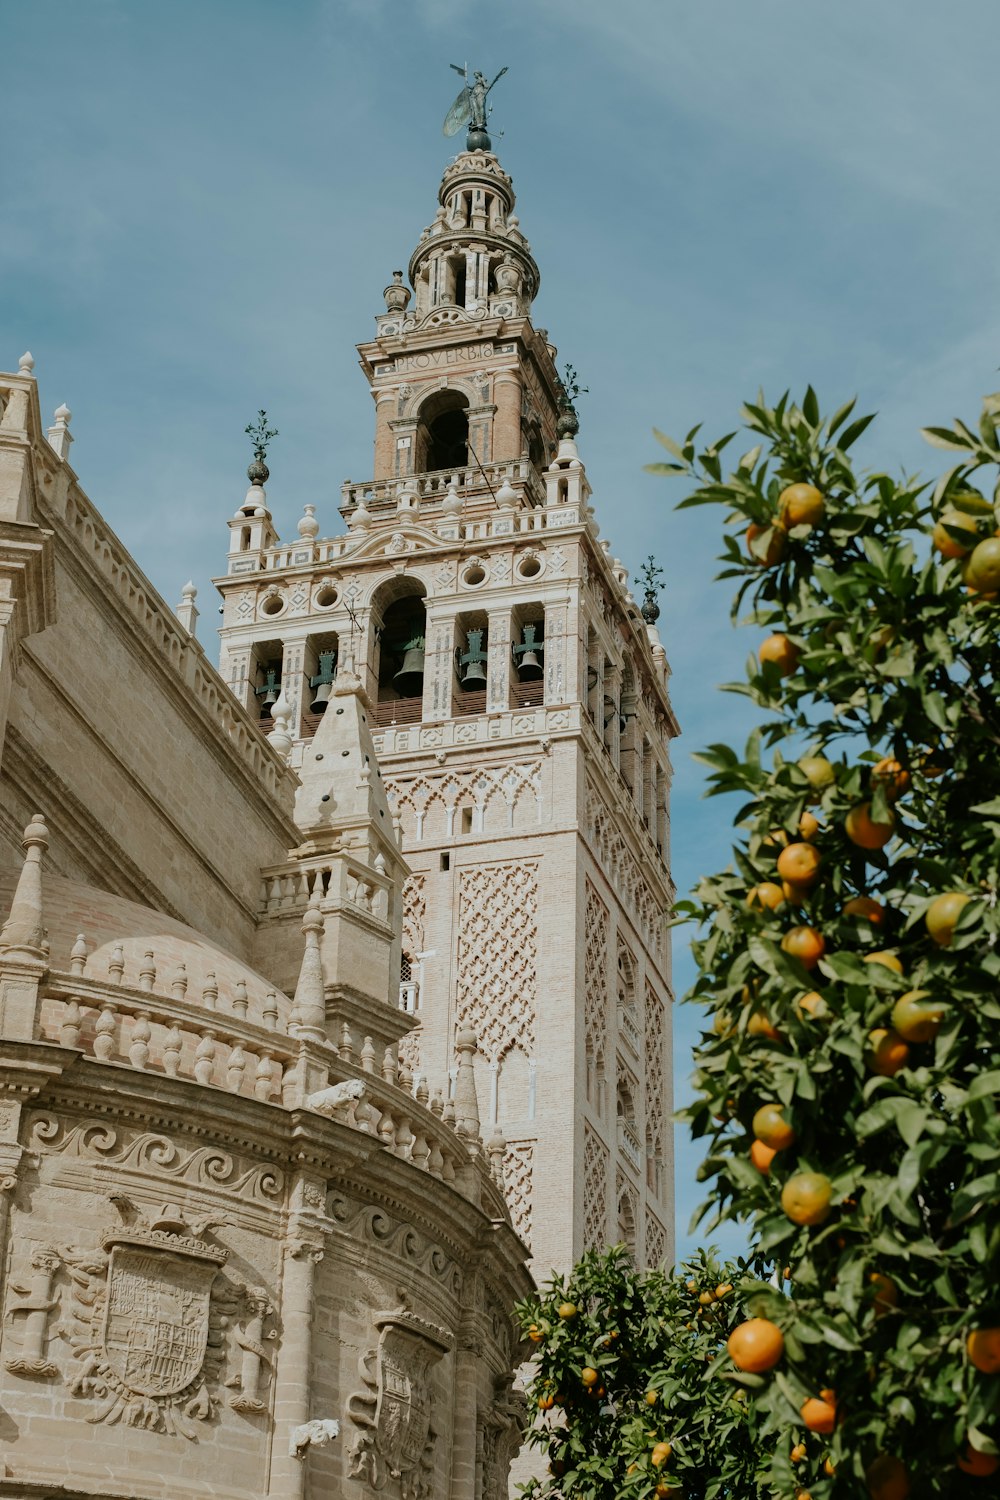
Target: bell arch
399	614
442	438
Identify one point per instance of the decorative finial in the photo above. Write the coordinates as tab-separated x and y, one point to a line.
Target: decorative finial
23	931
470	109
466	1098
187	610
651	576
281	716
396	294
26	364
59	435
308	1015
261	435
308	526
570	389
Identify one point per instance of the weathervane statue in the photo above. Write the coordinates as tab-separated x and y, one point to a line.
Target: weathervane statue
470	109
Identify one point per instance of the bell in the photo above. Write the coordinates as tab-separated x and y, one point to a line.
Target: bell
528	656
322	683
474	680
268	694
409	680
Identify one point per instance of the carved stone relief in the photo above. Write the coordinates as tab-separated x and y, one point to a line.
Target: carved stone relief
497	947
518	1162
595	1191
392	1412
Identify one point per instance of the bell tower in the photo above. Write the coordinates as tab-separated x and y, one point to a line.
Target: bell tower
520	719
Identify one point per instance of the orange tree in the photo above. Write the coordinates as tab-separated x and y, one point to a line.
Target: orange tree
634	1390
848	1078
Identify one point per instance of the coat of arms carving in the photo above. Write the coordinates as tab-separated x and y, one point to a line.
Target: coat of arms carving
143	1322
393	1413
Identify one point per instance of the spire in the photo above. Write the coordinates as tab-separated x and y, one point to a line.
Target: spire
23	932
308	1013
341	782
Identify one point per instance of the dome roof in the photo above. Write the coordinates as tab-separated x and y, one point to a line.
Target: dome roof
106	922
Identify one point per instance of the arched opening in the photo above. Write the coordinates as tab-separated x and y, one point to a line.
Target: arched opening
626	1224
319	674
443	433
401	641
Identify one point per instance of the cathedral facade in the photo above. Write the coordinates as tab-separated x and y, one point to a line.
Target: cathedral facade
334	987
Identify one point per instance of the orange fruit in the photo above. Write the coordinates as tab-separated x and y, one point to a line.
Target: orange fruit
795	895
805	944
819	1413
801	505
983	1349
915	1021
761	1025
862	829
812	1006
818	771
756	1345
567	1310
949	546
942	915
867	907
589	1376
767	896
809	826
772	550
828	1467
799	864
982	1465
892	776
770	1126
652	1397
762	1156
535	1334
798	1453
661	1452
806	1197
888	1052
887	1478
545	1403
982	571
886	958
886	1294
781	651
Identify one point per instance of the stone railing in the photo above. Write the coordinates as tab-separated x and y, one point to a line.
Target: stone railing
430	488
292	888
629	1030
629	1144
486	728
154	1034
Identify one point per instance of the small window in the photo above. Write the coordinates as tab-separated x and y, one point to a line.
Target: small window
446	861
466	819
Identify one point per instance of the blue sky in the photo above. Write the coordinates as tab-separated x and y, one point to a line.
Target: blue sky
203	201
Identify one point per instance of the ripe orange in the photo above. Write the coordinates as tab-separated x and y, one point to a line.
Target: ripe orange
661	1452
886	958
982	571
535	1334
780	650
915	1021
762	1156
949	546
806	1197
773	548
867	907
795	895
886	1293
809	826
819	1413
805	944
801	505
982	1465
567	1310
862	829
545	1403
761	1025
799	864
652	1397
756	1345
818	771
983	1349
770	1126
943	914
812	1006
887	1478
589	1376
892	776
888	1052
767	896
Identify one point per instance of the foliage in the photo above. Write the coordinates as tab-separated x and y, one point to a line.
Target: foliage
656	1343
889	654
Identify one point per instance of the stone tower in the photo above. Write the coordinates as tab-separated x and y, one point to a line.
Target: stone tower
520	720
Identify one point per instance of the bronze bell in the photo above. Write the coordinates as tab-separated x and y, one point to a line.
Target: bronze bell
473	679
409	680
322	683
268	694
528	656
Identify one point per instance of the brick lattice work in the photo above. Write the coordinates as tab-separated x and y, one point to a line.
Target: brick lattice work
497	951
595	1191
